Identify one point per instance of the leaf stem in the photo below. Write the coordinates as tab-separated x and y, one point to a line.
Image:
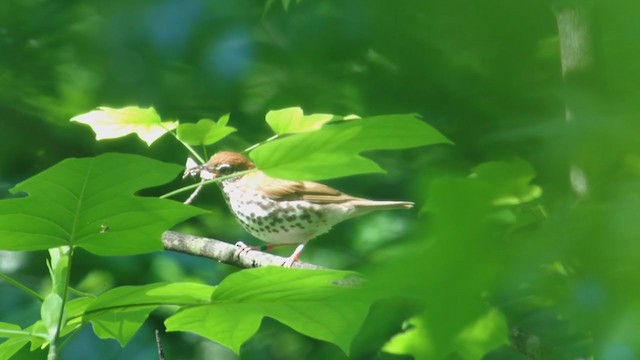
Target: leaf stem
22	287
53	348
191	150
71	336
23	333
132	306
81	293
274	137
193	186
204	151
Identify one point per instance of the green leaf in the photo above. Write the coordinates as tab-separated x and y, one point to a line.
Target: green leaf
487	333
89	203
205	131
120	324
334	150
306	300
109	123
10	347
414	341
10	327
75	309
511	181
119	312
292	120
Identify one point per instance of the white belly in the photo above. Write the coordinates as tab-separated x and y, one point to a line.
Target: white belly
285	222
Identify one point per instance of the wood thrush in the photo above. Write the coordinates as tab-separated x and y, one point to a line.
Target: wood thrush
285	212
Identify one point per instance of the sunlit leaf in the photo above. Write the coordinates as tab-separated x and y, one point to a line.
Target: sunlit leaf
415	341
334	150
309	301
292	120
485	334
205	131
109	123
89	203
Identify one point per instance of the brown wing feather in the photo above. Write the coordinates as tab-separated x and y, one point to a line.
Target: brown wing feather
304	190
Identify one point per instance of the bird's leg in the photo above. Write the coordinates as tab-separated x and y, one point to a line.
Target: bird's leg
291	259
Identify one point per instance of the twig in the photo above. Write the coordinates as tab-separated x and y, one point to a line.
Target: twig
159	344
224	252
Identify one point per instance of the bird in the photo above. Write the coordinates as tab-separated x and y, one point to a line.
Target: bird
284	212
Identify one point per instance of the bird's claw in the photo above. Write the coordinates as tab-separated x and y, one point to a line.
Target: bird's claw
242	248
291	259
288	263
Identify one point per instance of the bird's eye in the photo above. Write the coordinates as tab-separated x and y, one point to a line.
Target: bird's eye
224	169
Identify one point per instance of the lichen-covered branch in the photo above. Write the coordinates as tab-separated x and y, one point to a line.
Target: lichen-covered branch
224	252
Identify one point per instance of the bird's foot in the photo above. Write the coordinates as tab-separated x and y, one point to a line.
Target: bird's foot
288	263
242	248
294	257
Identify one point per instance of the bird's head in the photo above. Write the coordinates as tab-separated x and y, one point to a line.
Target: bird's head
227	163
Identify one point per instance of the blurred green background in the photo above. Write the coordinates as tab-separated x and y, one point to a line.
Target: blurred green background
487	74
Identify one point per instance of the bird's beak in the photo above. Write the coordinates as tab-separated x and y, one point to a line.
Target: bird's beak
193	169
205	174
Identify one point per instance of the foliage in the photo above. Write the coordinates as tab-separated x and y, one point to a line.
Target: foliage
523	241
92	208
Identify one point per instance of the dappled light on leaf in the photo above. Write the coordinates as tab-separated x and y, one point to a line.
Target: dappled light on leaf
109	123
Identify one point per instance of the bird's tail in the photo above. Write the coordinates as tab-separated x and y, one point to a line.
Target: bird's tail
372	205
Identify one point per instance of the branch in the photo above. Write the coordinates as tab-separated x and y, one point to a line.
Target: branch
224	252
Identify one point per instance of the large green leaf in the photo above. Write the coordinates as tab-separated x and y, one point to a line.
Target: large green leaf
308	301
119	312
205	131
109	123
89	202
334	150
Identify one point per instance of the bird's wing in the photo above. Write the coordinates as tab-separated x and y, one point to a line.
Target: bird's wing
286	190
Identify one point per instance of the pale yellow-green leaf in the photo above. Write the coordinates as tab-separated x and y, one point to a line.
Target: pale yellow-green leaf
292	120
110	123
